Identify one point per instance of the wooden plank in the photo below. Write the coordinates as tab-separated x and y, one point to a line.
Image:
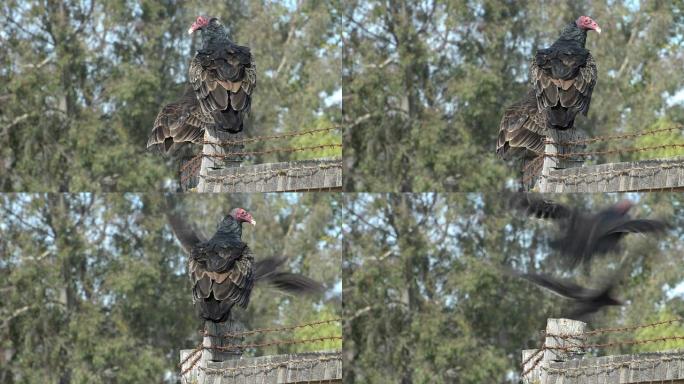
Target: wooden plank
643	175
299	175
306	367
654	367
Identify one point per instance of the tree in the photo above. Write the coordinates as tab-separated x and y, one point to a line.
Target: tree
95	287
82	81
425	84
428	300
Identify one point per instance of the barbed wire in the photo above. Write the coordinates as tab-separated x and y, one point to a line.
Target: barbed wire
596	332
271	137
269	366
618	137
632	328
613	172
273	172
612	365
535	363
239	347
272	150
272	343
614	151
272	330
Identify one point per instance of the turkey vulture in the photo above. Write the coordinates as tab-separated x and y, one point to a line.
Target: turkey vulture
222	77
586	300
585	235
223	271
564	75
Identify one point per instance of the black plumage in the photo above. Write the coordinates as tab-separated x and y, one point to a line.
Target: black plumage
223	271
584	235
522	130
222	77
564	75
586	301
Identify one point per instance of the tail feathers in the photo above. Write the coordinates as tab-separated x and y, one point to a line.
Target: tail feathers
211	309
560	117
266	270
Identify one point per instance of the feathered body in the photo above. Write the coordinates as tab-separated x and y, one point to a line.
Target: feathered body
585	235
223	270
563	77
222	78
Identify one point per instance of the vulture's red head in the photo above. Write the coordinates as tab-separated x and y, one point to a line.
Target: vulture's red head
585	22
200	23
622	207
242	216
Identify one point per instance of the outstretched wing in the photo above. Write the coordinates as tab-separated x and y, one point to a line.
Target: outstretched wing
637	226
522	130
539	207
178	122
268	271
560	287
184	233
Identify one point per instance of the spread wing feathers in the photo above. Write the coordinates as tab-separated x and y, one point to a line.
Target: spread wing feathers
223	80
234	284
267	270
563	84
184	232
522	130
561	287
178	122
540	208
637	226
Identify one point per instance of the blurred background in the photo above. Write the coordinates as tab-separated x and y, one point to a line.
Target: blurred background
81	83
426	298
94	287
426	82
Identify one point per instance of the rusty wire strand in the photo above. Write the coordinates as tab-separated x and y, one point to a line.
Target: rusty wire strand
613	151
271	137
272	150
535	363
267	366
271	330
192	365
613	172
617	329
273	172
619	137
613	365
273	343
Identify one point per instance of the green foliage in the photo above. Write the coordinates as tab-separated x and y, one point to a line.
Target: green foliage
428	297
94	287
425	84
673	329
82	82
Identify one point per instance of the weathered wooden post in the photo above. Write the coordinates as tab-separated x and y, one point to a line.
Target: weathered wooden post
216	157
563	340
218	346
554	152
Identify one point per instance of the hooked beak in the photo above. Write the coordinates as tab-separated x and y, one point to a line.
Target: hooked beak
253	222
191	30
598	29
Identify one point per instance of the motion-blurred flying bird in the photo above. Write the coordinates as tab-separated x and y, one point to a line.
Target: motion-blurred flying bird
584	235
